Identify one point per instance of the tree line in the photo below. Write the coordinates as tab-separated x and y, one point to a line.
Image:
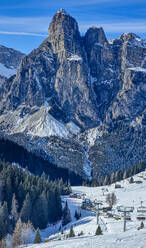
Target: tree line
116	176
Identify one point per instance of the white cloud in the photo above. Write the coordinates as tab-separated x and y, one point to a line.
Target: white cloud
38	26
23	33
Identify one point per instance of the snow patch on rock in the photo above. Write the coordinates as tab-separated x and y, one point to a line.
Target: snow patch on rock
93	134
73	128
7	72
41	124
74	58
139	69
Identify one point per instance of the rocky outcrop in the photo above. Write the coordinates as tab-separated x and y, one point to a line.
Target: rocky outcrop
79	102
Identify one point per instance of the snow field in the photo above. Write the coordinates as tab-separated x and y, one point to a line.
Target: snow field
113	235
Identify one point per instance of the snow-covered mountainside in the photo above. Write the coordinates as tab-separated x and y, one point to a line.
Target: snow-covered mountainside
129	195
79	101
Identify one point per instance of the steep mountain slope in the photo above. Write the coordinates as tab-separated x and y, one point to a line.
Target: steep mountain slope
79	102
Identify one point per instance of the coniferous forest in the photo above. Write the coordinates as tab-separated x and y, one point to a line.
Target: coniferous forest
29	198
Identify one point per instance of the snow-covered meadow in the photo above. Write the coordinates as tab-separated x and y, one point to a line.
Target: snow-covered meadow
129	195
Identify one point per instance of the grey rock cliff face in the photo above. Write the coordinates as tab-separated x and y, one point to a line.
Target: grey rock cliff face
9	62
57	74
79	102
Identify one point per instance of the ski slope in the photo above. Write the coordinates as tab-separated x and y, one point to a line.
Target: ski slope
132	195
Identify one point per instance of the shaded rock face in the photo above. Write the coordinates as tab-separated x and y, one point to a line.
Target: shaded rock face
9	62
79	102
123	133
102	65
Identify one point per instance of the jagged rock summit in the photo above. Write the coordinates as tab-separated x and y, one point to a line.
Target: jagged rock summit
79	102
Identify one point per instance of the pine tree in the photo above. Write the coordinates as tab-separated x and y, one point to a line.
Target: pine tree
2	188
4	220
71	233
8	192
131	180
37	239
98	231
66	215
141	225
141	166
40	212
77	215
26	210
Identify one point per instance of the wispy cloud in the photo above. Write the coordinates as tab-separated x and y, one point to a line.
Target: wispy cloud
23	33
25	24
38	26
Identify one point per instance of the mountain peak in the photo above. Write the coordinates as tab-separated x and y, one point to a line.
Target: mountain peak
62	12
62	21
64	33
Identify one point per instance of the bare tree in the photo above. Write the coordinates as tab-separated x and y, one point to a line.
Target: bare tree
112	177
23	234
111	199
26	233
14	209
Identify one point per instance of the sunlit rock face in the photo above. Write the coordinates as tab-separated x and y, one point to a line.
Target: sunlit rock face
79	102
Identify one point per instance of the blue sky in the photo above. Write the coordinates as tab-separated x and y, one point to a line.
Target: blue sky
24	24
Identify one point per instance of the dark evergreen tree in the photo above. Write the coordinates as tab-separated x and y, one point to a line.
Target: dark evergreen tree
71	233
40	213
131	180
141	166
66	215
37	239
26	210
98	231
77	215
4	220
141	225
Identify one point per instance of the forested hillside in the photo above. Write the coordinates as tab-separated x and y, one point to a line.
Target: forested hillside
29	198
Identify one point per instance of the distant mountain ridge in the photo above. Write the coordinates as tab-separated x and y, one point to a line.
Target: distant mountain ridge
9	62
79	102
